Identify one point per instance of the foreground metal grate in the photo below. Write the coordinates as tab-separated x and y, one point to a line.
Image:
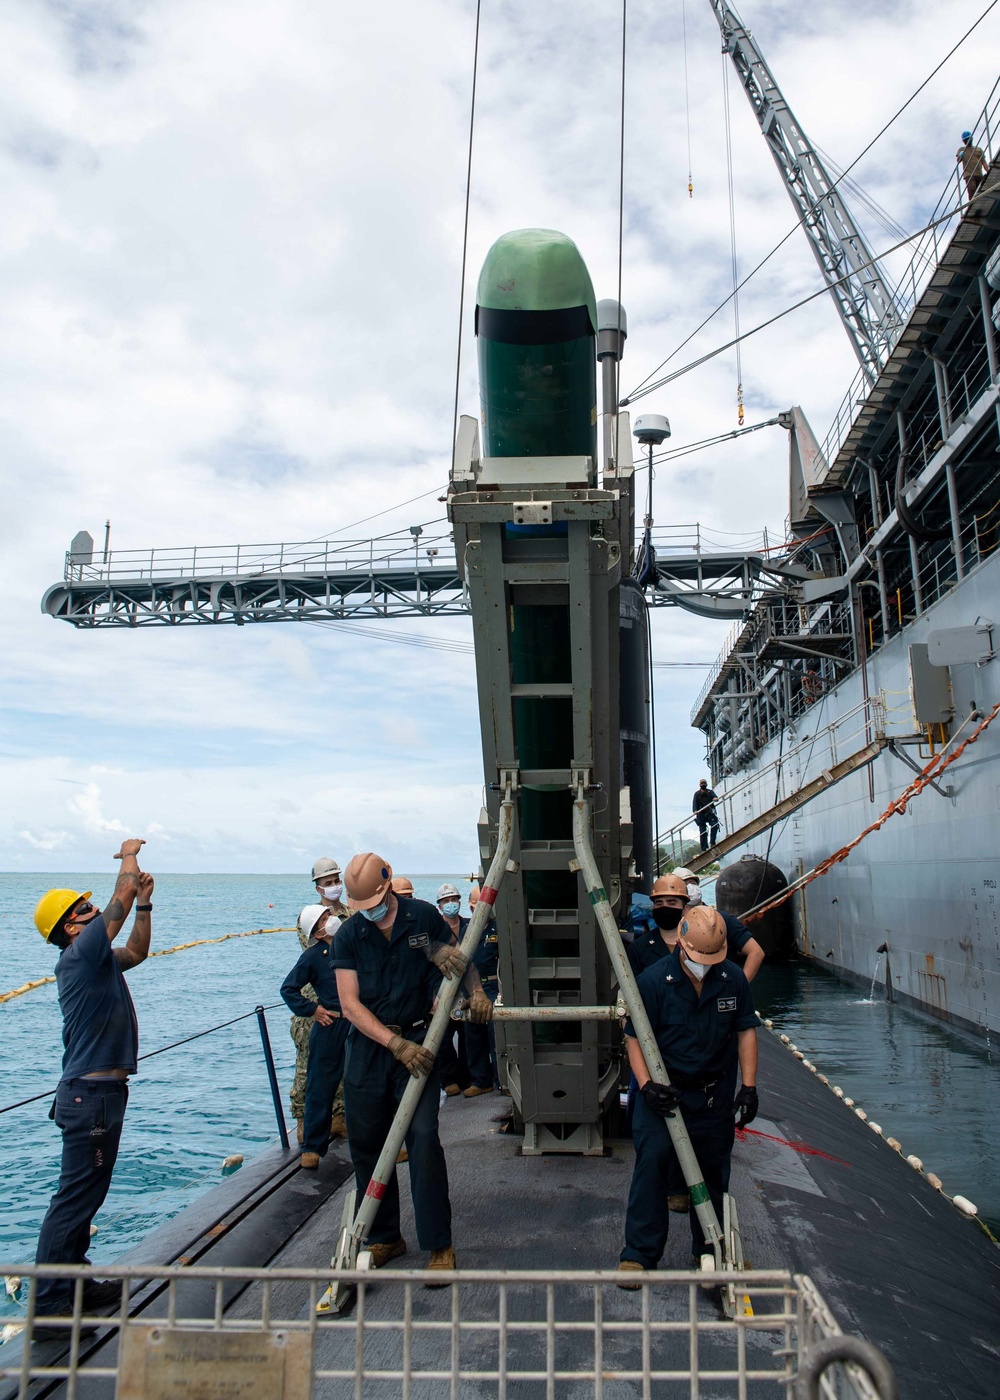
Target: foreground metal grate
222	1332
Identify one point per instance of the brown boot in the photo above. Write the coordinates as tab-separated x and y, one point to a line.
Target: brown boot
441	1259
382	1253
452	1090
630	1266
404	1156
474	1090
309	1160
338	1126
680	1205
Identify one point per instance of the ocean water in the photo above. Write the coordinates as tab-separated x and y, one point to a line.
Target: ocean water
931	1087
189	1108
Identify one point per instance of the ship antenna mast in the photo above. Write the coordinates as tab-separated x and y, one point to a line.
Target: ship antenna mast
866	304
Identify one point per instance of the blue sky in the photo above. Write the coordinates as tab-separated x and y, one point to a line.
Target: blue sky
229	275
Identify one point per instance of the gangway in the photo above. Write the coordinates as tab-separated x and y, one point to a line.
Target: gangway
782	776
868	753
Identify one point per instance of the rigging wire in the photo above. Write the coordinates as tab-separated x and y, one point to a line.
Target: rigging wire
732	238
465	232
639	390
687	95
822	291
621	195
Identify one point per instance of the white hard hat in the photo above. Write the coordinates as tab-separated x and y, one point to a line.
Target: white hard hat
323	867
448	892
310	917
685	874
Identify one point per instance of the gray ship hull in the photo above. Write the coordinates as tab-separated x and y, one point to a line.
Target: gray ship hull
928	882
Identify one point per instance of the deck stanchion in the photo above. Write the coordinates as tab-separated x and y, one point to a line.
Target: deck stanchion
272	1077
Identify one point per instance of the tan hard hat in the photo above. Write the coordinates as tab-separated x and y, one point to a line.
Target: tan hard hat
684	874
368	879
670	884
401	884
702	935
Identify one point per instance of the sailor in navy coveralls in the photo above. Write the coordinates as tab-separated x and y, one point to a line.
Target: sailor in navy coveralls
328	1036
702	1015
389	957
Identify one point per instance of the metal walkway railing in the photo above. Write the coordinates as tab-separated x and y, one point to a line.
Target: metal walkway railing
215	1332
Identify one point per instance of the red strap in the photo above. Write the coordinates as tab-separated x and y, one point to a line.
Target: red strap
376	1189
802	1147
488	895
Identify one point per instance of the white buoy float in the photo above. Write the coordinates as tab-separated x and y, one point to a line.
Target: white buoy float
935	1181
915	1163
965	1206
232	1164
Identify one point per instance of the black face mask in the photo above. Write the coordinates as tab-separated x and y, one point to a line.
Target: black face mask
667	918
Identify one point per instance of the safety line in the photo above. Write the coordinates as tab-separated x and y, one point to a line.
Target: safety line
897	806
798	224
151	1054
160	953
687	97
465	233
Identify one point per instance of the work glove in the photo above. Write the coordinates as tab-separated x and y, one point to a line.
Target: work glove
449	960
661	1098
480	1008
417	1059
746	1105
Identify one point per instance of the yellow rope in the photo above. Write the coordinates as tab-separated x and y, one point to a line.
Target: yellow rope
161	953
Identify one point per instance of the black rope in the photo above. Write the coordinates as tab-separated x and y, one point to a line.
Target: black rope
150	1054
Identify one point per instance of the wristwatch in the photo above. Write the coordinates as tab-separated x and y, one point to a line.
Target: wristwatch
143	908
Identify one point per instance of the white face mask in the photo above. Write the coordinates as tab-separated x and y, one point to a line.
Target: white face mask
332	891
694	892
697	970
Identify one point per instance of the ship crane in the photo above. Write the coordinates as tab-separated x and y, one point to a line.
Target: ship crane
868	309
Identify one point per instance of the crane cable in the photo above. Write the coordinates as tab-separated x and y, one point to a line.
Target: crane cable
639	391
465	232
732	238
687	95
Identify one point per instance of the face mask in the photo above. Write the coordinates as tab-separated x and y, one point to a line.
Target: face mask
450	910
378	913
667	918
332	891
697	970
694	893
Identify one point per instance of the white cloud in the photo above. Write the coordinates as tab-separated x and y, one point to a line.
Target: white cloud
229	274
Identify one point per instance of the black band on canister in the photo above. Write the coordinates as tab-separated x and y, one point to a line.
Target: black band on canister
533	327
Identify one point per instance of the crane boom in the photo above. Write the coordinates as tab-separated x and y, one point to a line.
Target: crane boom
867	307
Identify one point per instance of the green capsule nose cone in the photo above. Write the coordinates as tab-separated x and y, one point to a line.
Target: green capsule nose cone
536	269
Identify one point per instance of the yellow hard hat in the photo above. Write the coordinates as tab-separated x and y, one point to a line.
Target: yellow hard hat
53	907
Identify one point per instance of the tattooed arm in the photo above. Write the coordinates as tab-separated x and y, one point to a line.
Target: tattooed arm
126	887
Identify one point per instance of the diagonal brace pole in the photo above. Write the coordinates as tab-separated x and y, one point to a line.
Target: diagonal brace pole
608	925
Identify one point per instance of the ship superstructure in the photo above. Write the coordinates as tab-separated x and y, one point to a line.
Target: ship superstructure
889	645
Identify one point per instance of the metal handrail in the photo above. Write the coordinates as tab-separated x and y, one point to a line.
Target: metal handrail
910	285
426	553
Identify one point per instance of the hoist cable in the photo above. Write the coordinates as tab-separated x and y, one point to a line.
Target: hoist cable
465	233
621	195
687	95
639	391
797	305
732	238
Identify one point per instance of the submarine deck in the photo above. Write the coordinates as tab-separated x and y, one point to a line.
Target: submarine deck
895	1261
